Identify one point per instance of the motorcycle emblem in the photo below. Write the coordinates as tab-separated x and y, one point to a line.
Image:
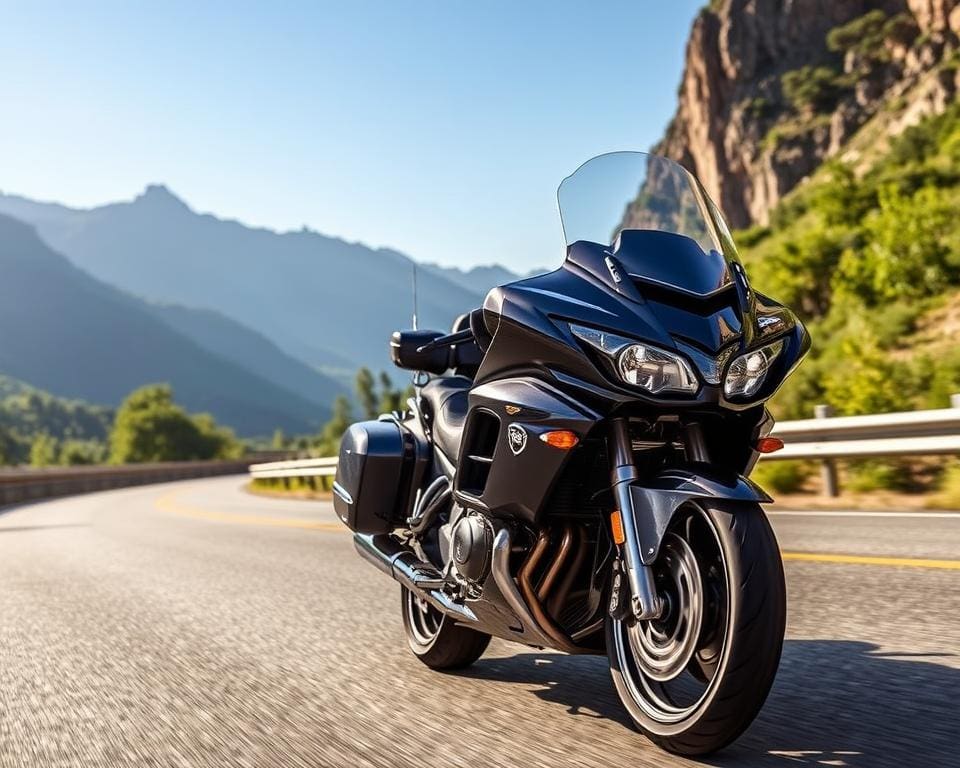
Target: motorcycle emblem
513	410
517	438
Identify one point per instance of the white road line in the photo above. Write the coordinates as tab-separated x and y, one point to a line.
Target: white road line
859	513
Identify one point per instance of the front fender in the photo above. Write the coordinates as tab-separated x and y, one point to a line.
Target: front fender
655	501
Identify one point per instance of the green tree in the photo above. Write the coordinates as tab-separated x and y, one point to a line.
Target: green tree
810	89
279	441
74	452
865	35
218	442
150	426
333	430
366	393
861	378
393	399
44	451
910	249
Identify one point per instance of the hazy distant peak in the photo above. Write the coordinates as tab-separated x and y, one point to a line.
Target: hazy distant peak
159	196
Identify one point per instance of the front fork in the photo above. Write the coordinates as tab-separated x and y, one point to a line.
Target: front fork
644	603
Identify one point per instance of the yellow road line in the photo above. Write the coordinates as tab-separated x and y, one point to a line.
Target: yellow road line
171	505
901	562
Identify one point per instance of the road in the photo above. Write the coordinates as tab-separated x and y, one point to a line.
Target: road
192	624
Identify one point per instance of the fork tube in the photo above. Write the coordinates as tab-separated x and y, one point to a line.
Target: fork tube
643	600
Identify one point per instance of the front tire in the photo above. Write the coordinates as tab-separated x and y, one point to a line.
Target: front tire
694	679
435	639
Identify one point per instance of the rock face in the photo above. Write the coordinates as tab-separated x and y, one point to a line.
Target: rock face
764	98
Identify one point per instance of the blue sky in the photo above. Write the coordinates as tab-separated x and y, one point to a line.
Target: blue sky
438	128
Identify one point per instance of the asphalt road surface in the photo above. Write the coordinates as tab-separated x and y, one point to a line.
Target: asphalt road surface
192	624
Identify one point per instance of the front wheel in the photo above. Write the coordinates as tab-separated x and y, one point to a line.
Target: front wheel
695	678
435	639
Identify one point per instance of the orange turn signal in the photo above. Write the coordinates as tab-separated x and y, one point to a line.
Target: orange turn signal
616	527
769	444
563	439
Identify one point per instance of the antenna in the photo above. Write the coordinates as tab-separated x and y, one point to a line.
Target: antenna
419	377
414	295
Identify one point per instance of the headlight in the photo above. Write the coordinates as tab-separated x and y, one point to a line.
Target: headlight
655	370
747	372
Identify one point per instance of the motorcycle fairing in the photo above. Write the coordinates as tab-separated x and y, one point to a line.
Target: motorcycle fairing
658	499
534	315
510	482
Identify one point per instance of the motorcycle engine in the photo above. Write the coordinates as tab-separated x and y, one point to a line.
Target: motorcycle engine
472	547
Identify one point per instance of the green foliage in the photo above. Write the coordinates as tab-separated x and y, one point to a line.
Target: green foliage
782	476
329	442
366	393
800	266
375	396
875	475
44	451
759	107
901	29
864	35
811	89
26	412
393	399
910	248
74	452
948	496
150	427
862	377
938	378
297	485
861	255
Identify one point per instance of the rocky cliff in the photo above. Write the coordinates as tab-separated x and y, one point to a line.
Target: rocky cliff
772	88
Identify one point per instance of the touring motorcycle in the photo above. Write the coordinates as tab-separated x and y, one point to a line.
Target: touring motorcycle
572	472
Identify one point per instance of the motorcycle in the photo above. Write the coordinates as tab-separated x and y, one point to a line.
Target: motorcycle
572	472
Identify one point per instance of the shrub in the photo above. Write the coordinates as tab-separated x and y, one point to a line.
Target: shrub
150	427
873	475
74	452
860	378
782	476
864	35
810	89
43	451
908	251
948	496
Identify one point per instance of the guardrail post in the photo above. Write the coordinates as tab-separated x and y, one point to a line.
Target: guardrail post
828	467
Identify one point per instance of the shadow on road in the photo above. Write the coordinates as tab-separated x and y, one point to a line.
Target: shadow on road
55	526
834	703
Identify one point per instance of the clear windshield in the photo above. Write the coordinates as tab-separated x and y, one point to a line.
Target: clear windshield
623	191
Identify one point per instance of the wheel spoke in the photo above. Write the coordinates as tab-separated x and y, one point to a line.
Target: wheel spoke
669	664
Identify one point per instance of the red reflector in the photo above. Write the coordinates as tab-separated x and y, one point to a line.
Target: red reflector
563	439
769	444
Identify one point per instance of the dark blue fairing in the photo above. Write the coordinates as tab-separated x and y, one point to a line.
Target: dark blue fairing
529	321
672	260
661	496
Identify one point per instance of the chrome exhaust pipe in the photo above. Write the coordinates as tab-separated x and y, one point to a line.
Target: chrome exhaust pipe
403	565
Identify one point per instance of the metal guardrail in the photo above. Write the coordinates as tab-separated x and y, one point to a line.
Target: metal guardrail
825	438
26	484
326	467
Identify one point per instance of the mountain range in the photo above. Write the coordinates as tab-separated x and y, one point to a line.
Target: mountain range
75	336
262	329
329	303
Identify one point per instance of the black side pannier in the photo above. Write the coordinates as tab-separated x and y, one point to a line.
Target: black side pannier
371	493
